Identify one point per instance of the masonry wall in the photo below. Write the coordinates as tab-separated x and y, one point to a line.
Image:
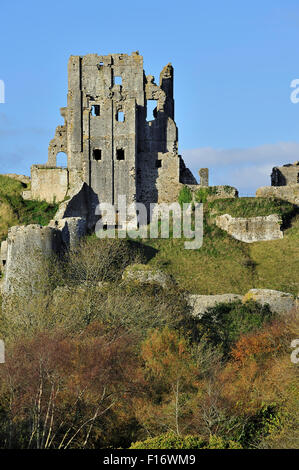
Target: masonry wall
251	229
110	145
285	175
49	184
27	247
288	193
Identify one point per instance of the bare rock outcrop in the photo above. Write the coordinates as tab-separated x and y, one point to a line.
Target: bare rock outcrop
279	302
200	303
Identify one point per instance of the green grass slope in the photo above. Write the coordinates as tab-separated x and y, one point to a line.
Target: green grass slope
225	265
221	265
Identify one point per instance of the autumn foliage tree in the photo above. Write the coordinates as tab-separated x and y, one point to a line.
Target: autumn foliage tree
56	391
171	376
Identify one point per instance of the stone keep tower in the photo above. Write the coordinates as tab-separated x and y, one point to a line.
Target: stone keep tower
111	147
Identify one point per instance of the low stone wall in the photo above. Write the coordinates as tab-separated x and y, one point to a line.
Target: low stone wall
215	192
288	193
48	184
251	229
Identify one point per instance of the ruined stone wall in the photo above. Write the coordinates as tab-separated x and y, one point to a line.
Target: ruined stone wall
111	147
215	192
251	229
26	249
49	184
285	175
204	176
288	193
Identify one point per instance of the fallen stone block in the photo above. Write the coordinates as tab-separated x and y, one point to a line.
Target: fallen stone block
279	302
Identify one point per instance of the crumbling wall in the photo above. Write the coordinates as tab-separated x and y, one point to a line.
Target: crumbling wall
23	179
71	228
279	302
26	250
251	229
288	193
214	192
48	184
200	303
285	175
110	145
204	176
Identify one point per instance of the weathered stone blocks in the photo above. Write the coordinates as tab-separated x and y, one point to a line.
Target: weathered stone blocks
279	302
27	247
49	184
288	193
251	229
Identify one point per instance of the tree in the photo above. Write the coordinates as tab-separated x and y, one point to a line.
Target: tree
170	374
56	391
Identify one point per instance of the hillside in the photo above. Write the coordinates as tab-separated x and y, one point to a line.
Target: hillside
224	264
221	265
140	363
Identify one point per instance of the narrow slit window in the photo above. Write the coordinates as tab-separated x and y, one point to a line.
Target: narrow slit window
120	154
158	163
120	116
118	80
97	154
95	110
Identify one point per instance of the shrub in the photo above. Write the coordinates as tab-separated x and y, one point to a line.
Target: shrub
202	194
14	210
172	441
222	325
185	195
95	260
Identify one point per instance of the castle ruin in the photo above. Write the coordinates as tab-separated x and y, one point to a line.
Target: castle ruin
284	184
111	147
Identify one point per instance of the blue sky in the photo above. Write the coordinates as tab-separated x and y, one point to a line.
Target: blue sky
234	62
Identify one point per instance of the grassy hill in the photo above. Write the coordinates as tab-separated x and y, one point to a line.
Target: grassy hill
14	210
221	265
224	264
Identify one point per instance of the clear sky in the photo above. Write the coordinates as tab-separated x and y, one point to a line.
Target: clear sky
234	61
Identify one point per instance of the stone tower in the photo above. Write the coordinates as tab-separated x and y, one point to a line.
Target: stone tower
111	147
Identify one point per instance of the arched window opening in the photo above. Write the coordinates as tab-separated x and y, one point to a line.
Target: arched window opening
61	159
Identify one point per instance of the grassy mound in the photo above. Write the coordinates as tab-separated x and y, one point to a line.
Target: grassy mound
252	207
14	210
225	265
